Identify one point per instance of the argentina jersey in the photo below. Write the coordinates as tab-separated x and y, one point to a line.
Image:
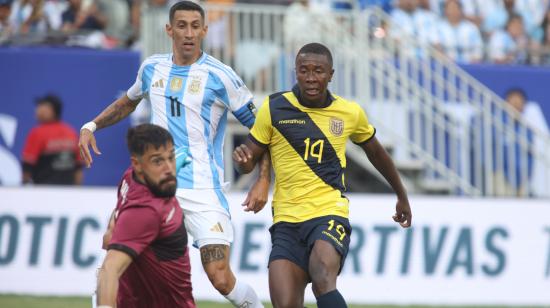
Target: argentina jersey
192	103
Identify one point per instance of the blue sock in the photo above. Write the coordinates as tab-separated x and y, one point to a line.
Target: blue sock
332	299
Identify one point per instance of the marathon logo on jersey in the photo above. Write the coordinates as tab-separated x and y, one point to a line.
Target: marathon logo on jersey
195	85
336	126
124	191
175	84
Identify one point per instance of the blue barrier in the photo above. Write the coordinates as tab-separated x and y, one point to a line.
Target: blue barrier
534	81
86	80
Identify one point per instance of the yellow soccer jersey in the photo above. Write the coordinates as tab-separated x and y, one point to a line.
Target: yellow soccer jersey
307	148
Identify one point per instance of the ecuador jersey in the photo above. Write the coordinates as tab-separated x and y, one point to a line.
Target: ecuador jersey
307	148
192	103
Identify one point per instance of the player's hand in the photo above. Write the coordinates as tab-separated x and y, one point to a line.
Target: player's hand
257	196
86	139
242	154
403	213
183	158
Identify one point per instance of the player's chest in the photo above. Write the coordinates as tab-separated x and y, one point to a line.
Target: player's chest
302	127
189	89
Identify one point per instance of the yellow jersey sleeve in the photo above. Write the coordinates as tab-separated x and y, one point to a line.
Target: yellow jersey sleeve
364	131
262	130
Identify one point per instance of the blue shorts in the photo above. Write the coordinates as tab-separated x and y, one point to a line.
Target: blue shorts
294	241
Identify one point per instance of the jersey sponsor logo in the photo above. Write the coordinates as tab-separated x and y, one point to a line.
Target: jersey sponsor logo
170	215
292	121
336	126
175	84
195	85
124	187
158	84
217	228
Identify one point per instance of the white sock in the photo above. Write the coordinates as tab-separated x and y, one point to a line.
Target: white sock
243	296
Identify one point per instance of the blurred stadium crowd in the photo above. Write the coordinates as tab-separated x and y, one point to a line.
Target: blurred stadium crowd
467	31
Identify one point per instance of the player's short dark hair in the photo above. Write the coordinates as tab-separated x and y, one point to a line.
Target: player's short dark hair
54	101
185	6
140	137
318	49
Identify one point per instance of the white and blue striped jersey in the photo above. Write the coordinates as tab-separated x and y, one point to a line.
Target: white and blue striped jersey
462	43
192	103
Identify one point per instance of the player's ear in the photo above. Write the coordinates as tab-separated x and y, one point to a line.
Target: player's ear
135	164
169	30
330	75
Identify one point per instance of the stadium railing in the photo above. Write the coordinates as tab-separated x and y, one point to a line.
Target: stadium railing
447	132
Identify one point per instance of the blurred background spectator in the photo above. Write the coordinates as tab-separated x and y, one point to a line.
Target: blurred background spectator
458	37
510	45
51	155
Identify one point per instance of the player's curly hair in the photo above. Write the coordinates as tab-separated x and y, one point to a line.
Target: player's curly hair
140	137
318	49
185	6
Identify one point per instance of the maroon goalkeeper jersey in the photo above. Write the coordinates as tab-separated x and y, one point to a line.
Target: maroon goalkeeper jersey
152	232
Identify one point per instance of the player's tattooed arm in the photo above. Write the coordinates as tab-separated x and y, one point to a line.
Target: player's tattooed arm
115	112
212	253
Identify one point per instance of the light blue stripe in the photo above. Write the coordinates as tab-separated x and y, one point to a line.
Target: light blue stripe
177	125
218	140
206	111
147	77
223	200
231	75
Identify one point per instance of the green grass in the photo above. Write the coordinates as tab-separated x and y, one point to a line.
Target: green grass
17	301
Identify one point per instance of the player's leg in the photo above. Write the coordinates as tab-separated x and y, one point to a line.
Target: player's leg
329	240
287	283
287	266
212	233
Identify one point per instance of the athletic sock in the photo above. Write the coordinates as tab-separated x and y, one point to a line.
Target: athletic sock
332	299
244	296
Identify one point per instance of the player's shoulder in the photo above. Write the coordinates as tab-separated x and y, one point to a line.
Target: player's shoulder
220	69
344	102
157	58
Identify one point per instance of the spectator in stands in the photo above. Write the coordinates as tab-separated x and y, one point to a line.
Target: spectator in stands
515	155
540	54
51	154
457	37
510	46
77	17
27	16
410	20
498	17
5	27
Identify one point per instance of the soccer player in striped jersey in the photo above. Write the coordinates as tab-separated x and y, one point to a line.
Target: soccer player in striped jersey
306	131
190	94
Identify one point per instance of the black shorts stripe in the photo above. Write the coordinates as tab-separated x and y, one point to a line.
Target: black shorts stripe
296	126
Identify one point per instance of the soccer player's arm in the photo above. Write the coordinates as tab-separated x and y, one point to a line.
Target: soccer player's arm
31	152
364	136
134	230
247	155
114	113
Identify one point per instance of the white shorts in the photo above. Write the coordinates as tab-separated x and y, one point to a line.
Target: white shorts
207	227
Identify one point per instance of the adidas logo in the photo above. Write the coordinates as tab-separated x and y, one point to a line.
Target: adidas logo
217	228
158	84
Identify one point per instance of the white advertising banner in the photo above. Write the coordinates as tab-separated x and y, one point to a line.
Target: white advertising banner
460	250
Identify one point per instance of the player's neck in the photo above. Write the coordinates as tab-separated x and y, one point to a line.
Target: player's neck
180	60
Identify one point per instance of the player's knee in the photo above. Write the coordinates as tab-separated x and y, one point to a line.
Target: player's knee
287	302
323	276
222	282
